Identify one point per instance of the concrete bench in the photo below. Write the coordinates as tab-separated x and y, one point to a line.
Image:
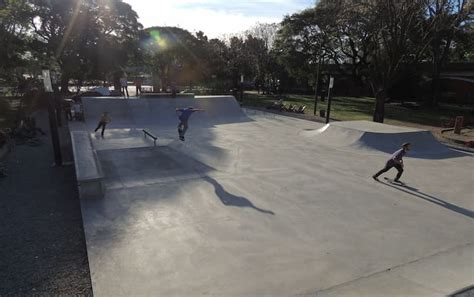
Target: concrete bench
88	170
148	133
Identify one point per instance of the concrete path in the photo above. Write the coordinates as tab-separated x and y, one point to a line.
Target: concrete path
262	208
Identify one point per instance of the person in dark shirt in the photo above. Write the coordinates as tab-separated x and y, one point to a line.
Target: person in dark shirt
104	120
185	113
395	161
138	85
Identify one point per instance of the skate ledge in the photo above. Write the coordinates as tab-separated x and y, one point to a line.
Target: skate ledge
88	170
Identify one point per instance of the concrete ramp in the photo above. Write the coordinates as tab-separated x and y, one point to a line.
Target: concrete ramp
161	111
364	135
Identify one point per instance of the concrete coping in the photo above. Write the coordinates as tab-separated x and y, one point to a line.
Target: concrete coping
87	166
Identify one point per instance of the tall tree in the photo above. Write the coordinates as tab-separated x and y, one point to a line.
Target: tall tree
301	44
450	19
85	38
14	25
398	37
264	31
393	34
174	55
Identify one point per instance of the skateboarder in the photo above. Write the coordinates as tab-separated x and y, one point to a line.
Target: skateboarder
395	161
183	119
104	120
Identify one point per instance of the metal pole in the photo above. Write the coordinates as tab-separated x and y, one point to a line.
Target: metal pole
329	101
58	107
54	130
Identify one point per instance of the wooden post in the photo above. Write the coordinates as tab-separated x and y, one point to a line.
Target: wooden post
458	124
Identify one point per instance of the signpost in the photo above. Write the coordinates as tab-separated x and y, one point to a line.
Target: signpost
48	87
331	85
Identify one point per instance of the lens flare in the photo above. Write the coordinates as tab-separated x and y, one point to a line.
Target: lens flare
158	39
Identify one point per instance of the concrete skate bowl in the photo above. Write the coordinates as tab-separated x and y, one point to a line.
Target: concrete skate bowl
158	115
128	168
160	112
368	136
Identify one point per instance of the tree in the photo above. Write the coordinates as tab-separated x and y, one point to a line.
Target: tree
174	55
85	39
265	32
388	35
463	45
398	37
450	18
300	45
14	24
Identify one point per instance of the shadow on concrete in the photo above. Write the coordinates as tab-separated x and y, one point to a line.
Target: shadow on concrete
229	199
415	192
466	292
424	145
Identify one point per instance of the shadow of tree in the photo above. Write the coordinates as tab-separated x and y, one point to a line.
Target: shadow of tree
229	199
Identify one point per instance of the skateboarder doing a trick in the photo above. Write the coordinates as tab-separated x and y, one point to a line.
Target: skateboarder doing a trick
183	119
395	161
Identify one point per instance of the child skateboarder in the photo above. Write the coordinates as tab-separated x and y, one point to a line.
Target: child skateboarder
395	161
183	119
104	120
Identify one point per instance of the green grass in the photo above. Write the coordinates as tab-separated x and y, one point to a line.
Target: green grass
361	108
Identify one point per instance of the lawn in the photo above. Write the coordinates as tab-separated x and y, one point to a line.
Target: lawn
361	108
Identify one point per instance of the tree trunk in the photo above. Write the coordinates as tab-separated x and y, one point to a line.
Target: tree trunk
379	112
64	84
116	81
435	88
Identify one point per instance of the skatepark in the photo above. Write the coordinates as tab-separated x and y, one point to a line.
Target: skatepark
259	204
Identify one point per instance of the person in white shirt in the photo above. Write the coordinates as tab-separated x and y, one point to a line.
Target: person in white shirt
124	85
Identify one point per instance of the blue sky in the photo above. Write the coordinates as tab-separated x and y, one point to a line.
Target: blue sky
215	17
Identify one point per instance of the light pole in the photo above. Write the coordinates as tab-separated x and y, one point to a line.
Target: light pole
52	115
331	85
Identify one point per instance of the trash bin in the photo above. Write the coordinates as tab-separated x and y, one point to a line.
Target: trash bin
322	113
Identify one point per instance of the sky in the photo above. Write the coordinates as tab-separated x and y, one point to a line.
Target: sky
215	17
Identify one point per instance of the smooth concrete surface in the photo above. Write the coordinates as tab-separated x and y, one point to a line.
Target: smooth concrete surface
255	206
364	135
88	169
87	166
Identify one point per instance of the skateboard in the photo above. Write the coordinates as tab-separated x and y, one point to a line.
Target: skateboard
392	181
180	133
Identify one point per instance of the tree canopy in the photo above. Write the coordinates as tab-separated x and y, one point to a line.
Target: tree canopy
379	41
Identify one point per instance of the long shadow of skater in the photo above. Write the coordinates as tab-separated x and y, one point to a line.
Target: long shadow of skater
229	199
432	199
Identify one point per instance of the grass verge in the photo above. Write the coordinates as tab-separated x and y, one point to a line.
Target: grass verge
361	108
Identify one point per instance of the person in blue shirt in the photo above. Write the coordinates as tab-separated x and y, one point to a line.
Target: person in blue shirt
395	161
184	114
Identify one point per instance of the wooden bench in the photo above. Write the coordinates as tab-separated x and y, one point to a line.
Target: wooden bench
148	133
88	170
